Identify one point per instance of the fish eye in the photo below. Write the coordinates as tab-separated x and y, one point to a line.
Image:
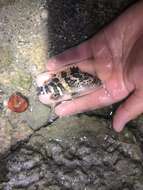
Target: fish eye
55	96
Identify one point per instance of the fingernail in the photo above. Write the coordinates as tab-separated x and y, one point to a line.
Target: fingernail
118	127
52	61
61	110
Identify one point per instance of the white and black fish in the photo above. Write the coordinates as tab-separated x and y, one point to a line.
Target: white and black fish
68	84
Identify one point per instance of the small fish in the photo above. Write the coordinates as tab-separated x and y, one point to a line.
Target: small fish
68	84
17	103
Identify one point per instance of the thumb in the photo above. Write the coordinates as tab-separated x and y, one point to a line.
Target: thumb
129	110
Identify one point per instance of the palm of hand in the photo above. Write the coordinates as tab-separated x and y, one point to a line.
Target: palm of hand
115	55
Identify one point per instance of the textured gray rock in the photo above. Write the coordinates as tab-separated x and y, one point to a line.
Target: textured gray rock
85	154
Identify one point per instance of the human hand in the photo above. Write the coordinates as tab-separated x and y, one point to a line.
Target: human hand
116	55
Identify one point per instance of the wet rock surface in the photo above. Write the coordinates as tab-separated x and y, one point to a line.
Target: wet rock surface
23	53
86	154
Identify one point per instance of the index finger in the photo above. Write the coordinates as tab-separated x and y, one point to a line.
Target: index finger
92	101
71	56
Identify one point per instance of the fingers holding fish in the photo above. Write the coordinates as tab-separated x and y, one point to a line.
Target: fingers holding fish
66	84
94	100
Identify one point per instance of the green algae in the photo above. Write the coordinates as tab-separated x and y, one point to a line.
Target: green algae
6	57
21	80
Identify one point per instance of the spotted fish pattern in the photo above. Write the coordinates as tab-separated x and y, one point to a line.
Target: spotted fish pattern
71	81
